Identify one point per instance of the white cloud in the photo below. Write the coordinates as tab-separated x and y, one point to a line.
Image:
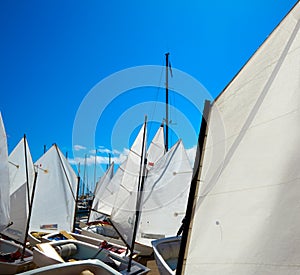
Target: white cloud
79	147
117	157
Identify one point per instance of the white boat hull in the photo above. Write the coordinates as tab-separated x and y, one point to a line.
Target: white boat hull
142	249
63	235
69	250
96	267
17	265
166	254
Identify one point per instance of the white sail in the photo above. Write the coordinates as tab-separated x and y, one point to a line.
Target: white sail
156	148
4	179
20	190
101	192
55	193
165	196
108	191
124	209
247	213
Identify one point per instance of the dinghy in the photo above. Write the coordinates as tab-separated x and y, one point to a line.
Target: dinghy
13	257
21	178
56	182
245	215
120	250
166	252
45	254
84	267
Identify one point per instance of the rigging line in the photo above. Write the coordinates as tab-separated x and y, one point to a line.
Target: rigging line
65	172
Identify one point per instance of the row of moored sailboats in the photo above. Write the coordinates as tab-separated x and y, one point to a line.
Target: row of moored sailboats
126	216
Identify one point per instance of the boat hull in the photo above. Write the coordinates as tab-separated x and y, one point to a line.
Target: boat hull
96	267
46	254
166	254
143	250
17	265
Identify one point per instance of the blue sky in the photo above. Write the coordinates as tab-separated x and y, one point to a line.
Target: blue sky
53	53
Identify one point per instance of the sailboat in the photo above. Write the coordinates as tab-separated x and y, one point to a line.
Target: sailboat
244	214
13	257
21	177
89	267
66	251
55	195
165	196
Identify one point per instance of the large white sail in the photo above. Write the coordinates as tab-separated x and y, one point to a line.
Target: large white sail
247	213
55	193
165	196
156	148
124	210
101	192
20	189
4	179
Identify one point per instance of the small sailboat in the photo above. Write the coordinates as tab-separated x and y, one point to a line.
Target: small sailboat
21	177
243	212
118	249
56	182
245	219
64	251
13	257
166	251
165	196
83	267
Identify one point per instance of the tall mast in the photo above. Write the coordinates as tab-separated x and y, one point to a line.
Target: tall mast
167	101
29	213
95	169
84	178
143	163
26	167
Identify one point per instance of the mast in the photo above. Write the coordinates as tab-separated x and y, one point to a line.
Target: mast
76	203
193	189
167	101
29	212
95	167
143	163
26	169
84	171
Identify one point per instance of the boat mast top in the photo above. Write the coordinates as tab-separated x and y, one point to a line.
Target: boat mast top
167	101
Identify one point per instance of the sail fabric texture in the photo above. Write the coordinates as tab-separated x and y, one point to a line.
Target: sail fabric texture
55	193
165	194
20	189
101	193
4	179
124	210
247	212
